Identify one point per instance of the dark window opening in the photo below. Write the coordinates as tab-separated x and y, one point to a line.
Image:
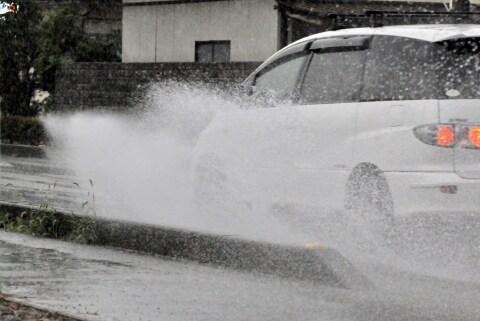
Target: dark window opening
333	77
400	69
212	51
277	82
458	65
408	69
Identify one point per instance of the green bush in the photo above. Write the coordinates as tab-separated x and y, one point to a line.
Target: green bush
22	130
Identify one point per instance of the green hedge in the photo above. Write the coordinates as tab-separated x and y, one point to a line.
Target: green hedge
22	130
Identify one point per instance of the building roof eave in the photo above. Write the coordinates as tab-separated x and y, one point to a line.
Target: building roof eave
135	3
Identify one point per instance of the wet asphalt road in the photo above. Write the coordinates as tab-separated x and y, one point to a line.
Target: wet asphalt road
36	181
104	284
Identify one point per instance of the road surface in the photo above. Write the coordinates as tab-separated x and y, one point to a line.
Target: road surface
104	284
414	281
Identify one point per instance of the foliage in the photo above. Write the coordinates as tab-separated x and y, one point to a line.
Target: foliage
45	221
19	48
61	34
60	44
105	47
22	130
83	231
35	43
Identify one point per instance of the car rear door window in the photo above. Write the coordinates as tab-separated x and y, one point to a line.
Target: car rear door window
458	65
399	69
333	77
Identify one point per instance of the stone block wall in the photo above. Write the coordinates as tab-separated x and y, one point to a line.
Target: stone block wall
112	86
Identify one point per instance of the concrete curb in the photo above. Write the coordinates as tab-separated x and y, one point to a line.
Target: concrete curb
21	151
313	262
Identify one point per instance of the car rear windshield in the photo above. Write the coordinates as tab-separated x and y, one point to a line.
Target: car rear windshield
458	68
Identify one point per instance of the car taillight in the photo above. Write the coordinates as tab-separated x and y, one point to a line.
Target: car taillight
445	135
449	135
474	136
442	135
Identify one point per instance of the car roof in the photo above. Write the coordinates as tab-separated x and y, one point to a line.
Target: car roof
432	33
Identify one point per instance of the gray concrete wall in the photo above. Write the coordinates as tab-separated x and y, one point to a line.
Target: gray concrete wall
111	86
167	32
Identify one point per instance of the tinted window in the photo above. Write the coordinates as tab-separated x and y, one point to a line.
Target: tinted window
399	69
278	81
292	51
458	65
212	51
333	77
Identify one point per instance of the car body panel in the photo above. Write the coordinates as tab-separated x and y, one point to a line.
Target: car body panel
417	193
252	144
463	110
322	139
385	137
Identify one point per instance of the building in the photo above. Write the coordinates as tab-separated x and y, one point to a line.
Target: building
240	30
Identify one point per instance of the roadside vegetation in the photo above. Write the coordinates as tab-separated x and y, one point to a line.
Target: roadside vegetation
45	221
22	130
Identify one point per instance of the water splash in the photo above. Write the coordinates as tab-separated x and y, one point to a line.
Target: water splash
140	161
141	165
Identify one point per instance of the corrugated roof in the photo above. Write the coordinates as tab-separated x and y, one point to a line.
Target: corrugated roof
326	7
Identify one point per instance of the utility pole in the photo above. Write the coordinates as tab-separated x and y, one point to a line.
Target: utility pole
461	5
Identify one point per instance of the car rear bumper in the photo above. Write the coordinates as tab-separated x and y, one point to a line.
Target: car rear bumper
434	193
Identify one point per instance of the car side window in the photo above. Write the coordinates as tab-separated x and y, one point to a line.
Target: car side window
399	69
333	77
277	82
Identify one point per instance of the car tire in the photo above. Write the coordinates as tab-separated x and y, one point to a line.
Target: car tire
370	203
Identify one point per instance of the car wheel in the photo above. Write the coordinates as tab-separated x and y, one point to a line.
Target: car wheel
370	203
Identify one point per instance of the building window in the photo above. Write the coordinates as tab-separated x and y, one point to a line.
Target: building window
212	51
